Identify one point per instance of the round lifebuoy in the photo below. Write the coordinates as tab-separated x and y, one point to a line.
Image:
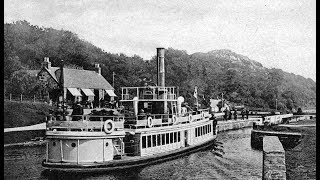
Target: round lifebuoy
108	126
149	122
190	118
174	119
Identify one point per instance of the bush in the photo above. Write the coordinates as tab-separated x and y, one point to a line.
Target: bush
18	114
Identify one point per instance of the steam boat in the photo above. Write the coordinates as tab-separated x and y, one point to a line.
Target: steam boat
165	130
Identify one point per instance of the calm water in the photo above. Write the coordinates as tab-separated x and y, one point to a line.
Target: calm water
238	161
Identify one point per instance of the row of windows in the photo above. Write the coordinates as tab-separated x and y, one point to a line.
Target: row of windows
160	139
203	130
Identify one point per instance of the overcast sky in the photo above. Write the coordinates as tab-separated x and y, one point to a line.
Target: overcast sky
276	33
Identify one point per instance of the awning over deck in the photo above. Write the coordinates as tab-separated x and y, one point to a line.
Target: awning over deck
74	92
87	92
111	93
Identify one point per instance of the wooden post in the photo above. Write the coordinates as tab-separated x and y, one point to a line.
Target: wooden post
20	97
10	96
34	98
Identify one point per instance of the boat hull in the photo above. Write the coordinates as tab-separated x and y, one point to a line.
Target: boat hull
128	163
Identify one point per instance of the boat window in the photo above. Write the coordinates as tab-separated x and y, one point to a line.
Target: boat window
178	136
158	140
149	141
163	139
154	140
171	137
167	138
205	129
143	141
201	131
196	132
210	128
175	137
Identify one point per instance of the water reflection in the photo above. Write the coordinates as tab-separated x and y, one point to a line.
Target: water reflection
230	157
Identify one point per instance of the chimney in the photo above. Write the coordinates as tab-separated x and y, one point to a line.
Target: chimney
98	68
160	67
46	63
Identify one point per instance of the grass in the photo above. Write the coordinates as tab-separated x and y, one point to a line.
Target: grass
18	114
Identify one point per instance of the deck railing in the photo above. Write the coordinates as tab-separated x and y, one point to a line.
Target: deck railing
94	123
148	93
88	123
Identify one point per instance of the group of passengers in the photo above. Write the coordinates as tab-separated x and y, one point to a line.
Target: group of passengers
228	114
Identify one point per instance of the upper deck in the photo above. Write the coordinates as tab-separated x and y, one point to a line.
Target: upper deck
149	93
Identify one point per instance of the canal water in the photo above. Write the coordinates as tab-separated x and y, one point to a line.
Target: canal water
235	160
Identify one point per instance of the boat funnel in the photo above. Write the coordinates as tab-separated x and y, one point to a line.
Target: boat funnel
160	67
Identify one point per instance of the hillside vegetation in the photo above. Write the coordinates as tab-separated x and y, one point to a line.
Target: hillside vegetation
243	81
18	114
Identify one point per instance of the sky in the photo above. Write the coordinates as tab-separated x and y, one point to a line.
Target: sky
276	33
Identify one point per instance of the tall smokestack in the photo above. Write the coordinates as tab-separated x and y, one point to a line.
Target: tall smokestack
160	67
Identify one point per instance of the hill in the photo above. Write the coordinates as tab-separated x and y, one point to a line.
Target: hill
241	79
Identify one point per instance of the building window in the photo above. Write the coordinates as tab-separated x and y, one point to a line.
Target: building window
143	141
171	138
175	137
178	136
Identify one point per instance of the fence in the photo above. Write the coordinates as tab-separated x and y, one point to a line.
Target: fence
21	97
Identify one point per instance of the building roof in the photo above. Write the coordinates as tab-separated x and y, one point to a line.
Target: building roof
76	78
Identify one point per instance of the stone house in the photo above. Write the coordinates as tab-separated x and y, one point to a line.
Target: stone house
78	85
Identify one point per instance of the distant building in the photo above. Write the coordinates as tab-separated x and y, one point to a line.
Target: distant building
82	85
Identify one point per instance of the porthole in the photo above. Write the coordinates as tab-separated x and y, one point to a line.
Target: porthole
107	143
53	143
73	144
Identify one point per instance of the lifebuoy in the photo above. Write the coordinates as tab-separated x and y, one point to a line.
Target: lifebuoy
174	119
108	126
149	122
190	118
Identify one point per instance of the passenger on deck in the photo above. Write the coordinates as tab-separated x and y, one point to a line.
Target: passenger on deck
235	114
142	114
77	112
59	112
242	114
247	113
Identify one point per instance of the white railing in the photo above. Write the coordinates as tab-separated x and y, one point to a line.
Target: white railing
89	123
148	93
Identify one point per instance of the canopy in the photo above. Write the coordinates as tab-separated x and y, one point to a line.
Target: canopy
110	92
74	92
87	92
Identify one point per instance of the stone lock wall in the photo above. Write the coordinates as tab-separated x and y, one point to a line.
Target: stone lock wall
274	166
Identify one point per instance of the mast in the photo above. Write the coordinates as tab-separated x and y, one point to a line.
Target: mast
62	88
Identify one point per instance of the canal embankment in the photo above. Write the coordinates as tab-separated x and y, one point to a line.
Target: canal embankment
299	142
274	165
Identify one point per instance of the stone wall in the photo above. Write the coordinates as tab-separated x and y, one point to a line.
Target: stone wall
235	124
274	166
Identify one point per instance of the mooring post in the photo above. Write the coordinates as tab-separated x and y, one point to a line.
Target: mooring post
10	96
20	97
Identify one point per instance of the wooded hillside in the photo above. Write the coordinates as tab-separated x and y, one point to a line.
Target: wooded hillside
242	80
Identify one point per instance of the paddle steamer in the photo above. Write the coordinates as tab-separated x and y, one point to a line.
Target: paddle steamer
153	126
